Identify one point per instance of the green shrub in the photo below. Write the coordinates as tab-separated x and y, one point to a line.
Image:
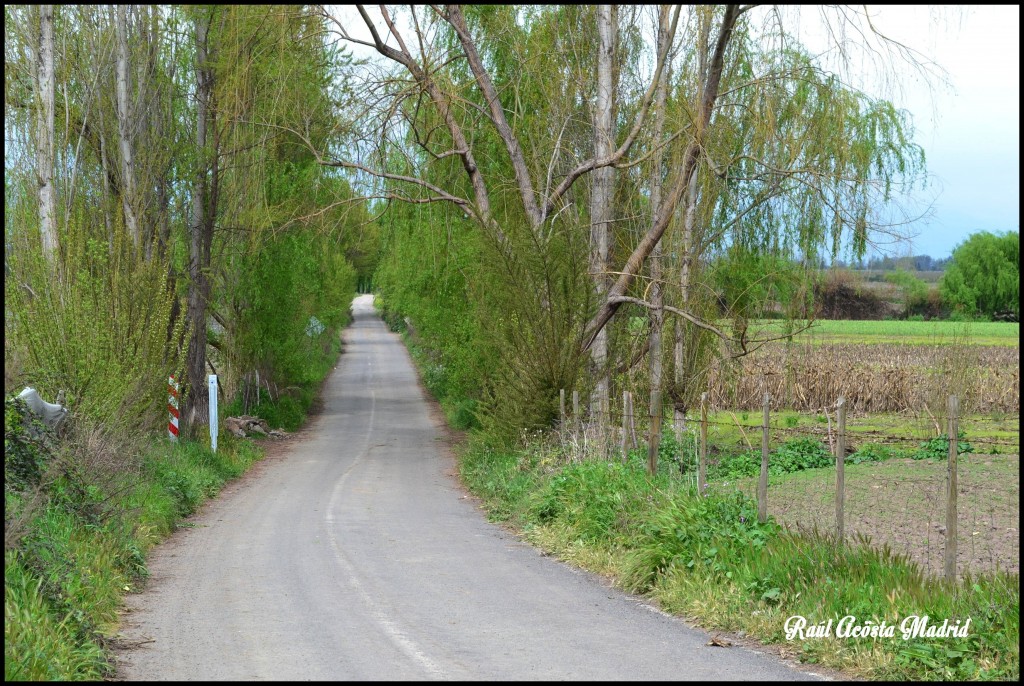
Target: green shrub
793	456
697	534
28	446
873	452
938	448
983	278
105	333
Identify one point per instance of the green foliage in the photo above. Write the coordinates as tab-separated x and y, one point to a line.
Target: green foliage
984	277
591	497
283	284
28	446
753	284
490	349
873	452
710	558
104	332
698	534
39	644
793	456
938	448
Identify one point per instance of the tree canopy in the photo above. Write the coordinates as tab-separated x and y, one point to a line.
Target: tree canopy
983	278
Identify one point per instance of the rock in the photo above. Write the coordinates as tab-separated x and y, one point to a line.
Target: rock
239	426
235	425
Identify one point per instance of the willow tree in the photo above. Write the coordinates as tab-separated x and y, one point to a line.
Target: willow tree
534	137
766	148
102	331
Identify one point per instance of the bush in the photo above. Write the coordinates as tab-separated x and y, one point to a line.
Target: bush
839	294
938	448
106	333
984	276
793	456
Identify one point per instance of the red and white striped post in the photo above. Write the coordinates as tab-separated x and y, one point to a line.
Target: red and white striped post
172	409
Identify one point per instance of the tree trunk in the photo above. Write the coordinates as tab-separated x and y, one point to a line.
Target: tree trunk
45	135
161	123
682	374
124	120
601	203
657	294
108	191
636	260
201	234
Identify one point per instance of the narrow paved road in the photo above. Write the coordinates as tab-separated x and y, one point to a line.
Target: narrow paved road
354	555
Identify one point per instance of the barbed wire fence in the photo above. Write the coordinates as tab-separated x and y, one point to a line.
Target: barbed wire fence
953	507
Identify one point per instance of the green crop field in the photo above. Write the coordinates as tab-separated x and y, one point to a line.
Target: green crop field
906	332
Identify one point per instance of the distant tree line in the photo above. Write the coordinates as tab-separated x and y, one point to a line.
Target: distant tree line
916	263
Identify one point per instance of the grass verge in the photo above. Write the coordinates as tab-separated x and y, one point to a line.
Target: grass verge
76	536
709	559
80	513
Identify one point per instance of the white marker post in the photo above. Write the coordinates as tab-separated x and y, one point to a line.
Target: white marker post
213	412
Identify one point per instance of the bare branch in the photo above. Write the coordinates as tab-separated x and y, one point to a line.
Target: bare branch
458	22
742	342
689	167
638	123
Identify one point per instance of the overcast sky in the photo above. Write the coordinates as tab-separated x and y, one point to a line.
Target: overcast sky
969	128
970	132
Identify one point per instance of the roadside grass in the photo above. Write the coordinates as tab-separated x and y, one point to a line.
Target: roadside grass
76	542
708	558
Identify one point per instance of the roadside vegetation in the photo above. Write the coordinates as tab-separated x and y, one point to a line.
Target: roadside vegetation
162	219
195	190
82	508
708	559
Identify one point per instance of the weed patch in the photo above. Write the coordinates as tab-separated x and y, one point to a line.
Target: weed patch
709	557
77	531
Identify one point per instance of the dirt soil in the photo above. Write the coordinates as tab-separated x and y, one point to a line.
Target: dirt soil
901	503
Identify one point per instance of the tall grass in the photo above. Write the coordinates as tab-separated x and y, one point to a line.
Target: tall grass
710	559
76	535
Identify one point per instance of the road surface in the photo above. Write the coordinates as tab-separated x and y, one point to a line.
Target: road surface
353	554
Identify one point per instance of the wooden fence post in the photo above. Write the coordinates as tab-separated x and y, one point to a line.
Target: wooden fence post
762	483
632	424
840	466
951	488
625	425
561	406
702	456
576	410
